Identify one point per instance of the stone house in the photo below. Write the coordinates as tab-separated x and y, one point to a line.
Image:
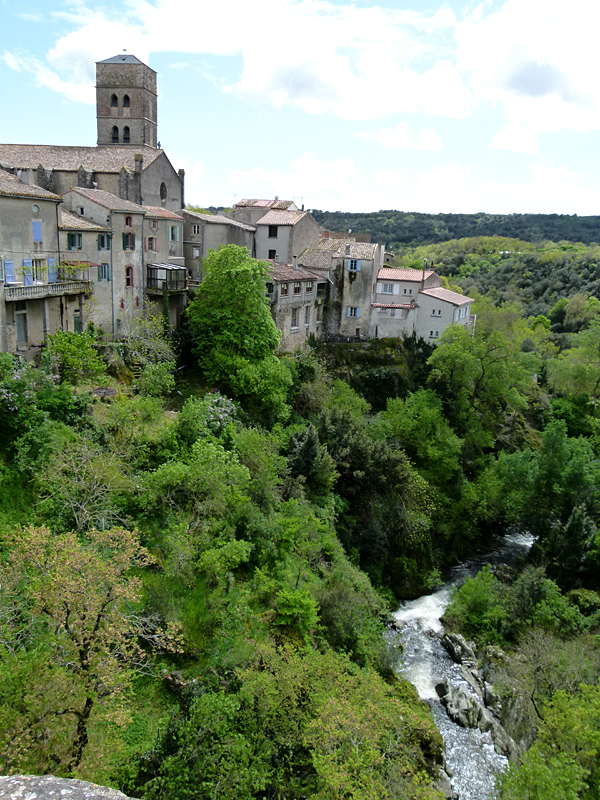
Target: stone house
410	301
350	268
205	232
36	298
283	236
297	297
127	161
164	264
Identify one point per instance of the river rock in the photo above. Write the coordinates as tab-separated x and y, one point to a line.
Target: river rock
47	787
443	785
459	649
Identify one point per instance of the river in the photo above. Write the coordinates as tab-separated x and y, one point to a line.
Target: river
470	754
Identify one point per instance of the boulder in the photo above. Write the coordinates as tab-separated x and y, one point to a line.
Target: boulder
47	787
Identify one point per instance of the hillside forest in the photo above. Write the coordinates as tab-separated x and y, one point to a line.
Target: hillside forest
202	539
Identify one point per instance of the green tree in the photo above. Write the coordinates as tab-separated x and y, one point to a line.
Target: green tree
74	356
235	335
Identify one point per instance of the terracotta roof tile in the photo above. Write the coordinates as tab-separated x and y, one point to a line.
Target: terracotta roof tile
448	296
73	222
14	187
393	305
161	213
219	219
281	217
315	259
108	200
276	204
287	272
337	247
69	159
393	274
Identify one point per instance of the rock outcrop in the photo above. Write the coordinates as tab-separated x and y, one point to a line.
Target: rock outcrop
47	787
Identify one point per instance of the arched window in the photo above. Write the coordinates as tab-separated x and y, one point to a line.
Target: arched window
126	102
115	135
126	137
129	277
114	101
163	192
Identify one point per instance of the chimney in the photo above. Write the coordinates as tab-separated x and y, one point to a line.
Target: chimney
181	173
347	251
423	278
137	178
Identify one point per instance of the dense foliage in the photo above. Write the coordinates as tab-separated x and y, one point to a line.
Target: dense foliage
397	229
195	584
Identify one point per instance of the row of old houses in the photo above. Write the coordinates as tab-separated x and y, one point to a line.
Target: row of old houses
95	234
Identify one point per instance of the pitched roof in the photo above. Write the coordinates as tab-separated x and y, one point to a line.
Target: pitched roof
286	272
281	217
161	213
337	248
69	159
275	204
315	259
219	219
393	274
74	222
12	186
122	58
108	200
448	296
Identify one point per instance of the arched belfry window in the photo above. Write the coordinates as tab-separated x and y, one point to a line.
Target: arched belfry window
126	137
115	135
126	102
114	102
163	192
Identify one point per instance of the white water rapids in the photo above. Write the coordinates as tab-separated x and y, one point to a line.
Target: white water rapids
470	754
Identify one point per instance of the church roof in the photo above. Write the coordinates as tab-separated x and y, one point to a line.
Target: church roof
70	158
122	58
12	186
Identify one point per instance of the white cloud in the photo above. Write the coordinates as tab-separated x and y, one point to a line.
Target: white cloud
401	138
31	17
537	64
46	77
319	55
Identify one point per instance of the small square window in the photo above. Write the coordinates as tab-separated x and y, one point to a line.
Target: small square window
196	229
272	231
388	288
309	287
297	287
352	264
272	255
128	222
284	289
173	233
196	252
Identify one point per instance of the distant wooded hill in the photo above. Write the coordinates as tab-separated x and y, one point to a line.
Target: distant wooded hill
397	229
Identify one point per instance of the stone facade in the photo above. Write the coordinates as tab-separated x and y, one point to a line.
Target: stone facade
205	232
126	107
297	299
284	236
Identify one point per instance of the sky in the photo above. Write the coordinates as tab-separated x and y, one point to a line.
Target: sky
453	108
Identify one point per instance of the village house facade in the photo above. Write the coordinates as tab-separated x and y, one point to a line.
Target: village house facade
205	232
297	297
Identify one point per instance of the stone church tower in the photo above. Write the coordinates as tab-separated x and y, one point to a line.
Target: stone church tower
125	102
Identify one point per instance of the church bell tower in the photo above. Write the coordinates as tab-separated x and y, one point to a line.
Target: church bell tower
125	102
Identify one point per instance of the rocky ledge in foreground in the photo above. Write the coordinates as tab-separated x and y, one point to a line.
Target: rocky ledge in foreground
47	787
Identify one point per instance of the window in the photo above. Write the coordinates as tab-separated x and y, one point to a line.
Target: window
114	101
387	288
115	135
437	333
126	135
353	312
272	255
103	272
37	230
196	252
128	223
309	287
319	313
270	288
39	269
163	193
196	229
103	241
35	208
76	321
129	277
297	287
151	244
9	271
392	312
173	233
294	317
129	241
126	102
74	241
272	231
353	265
284	289
307	315
1	270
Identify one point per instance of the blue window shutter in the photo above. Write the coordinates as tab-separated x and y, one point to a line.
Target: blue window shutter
358	265
358	312
28	272
9	271
37	230
348	311
51	270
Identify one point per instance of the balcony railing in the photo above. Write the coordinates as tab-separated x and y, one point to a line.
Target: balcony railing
41	290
